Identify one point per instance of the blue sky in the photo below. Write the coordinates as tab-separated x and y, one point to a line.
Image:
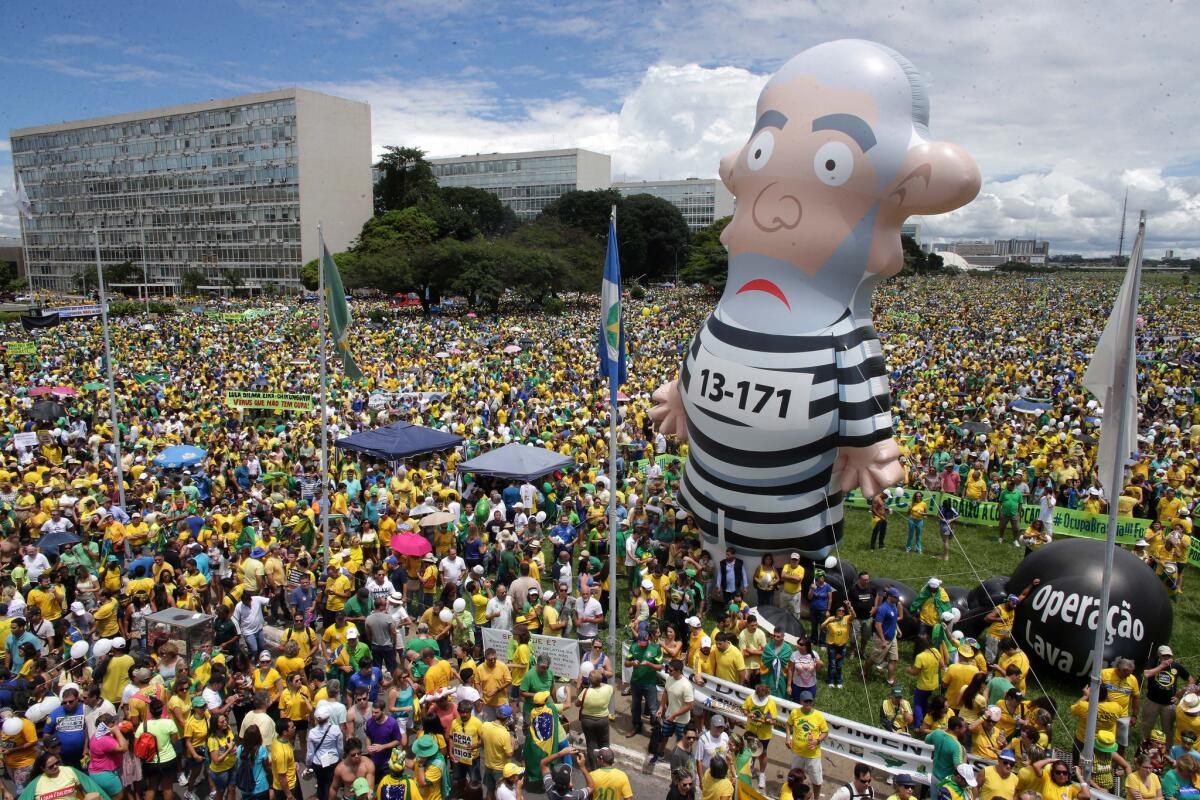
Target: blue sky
1061	125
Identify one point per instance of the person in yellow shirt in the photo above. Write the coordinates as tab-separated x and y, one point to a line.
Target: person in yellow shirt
196	729
339	587
791	577
761	714
927	668
916	522
266	678
465	745
1108	710
1000	780
284	779
1125	690
48	598
806	730
728	664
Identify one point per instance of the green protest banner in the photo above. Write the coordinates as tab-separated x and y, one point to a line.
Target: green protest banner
269	401
1067	521
20	349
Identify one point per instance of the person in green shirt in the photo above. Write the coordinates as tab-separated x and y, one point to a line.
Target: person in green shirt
646	658
358	607
1010	510
538	679
948	751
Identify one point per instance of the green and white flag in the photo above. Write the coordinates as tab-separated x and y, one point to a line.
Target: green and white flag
339	313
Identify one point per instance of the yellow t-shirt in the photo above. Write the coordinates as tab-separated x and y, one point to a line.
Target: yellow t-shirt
105	617
837	630
195	729
283	765
497	745
614	781
433	783
464	739
994	786
286	666
339	591
760	716
728	664
791	578
928	666
1120	690
1052	791
295	705
806	730
714	789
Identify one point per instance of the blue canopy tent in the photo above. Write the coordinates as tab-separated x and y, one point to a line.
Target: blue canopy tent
518	461
1028	406
398	441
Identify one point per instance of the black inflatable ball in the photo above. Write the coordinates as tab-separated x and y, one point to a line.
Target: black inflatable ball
839	577
908	625
1056	624
958	598
989	594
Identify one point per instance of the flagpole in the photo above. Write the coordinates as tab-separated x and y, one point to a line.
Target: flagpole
614	606
324	403
145	272
23	213
108	360
1118	395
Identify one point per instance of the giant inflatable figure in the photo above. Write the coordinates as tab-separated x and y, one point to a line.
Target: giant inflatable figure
783	396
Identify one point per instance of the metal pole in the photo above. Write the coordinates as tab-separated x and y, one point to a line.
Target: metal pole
145	272
112	390
324	401
614	606
1122	375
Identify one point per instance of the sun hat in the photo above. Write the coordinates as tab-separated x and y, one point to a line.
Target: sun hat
425	747
512	770
967	772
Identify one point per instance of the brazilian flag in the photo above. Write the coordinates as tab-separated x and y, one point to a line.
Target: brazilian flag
544	736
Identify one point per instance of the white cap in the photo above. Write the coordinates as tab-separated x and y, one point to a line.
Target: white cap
352	633
646	584
935	583
322	710
692	622
119	642
705	641
968	774
794	555
77	607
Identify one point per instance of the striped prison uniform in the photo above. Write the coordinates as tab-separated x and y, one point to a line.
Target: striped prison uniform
766	414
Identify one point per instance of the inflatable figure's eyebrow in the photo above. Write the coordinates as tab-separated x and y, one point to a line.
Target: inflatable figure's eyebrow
770	119
854	127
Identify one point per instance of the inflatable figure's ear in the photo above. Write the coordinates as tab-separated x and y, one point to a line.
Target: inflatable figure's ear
936	177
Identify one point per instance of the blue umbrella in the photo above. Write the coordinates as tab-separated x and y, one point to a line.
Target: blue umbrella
179	456
53	542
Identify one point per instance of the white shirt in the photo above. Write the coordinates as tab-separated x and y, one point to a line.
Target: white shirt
249	618
707	747
587	608
399	615
503	610
1048	502
379	591
36	564
452	568
528	494
212	699
504	793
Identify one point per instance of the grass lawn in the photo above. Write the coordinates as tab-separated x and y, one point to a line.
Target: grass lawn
984	558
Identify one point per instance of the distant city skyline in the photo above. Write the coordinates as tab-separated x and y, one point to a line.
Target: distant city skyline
1060	126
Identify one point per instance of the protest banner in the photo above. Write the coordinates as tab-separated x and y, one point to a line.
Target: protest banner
563	653
68	312
25	439
14	349
269	401
1067	521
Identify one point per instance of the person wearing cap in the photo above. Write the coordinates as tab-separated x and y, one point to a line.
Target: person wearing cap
791	580
987	740
896	713
884	646
1165	684
959	784
904	786
536	681
496	739
806	730
929	605
1125	690
556	779
610	782
820	595
1000	780
1000	621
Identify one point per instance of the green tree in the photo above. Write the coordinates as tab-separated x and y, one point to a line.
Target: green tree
405	177
653	236
346	263
708	260
588	211
408	228
488	215
581	254
233	279
191	281
915	262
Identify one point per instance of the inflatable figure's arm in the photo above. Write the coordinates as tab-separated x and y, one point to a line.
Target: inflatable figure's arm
668	413
870	457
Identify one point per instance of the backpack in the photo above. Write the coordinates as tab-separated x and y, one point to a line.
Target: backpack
243	774
145	746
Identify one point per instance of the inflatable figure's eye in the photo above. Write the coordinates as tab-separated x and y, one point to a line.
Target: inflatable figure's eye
760	151
833	163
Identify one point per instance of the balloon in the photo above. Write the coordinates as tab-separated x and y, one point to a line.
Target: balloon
989	594
101	648
842	575
540	517
35	714
50	703
645	311
459	605
1055	625
560	694
445	615
79	650
831	562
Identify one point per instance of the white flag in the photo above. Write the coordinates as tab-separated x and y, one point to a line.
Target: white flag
1114	363
24	207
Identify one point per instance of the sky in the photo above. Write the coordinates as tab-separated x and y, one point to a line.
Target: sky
1064	106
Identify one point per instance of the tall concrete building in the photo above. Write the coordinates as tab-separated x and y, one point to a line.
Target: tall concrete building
702	201
527	182
226	187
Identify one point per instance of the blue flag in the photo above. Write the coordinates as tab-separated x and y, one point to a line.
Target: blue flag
612	328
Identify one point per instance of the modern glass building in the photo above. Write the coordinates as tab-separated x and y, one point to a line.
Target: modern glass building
702	201
231	187
526	182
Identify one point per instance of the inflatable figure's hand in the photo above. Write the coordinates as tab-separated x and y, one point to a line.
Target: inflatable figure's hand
872	468
668	413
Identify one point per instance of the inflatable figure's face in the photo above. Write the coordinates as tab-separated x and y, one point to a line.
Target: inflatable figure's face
839	156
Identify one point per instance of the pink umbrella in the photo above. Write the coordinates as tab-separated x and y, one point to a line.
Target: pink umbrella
39	391
512	348
63	391
411	544
622	397
471	315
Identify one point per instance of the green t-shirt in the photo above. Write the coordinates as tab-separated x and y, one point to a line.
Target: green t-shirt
533	682
652	652
356	608
418	645
997	688
948	753
1010	502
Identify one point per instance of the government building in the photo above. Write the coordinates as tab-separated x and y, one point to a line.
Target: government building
231	188
702	201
